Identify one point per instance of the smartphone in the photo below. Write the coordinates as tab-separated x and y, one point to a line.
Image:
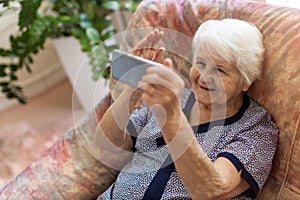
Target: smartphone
129	68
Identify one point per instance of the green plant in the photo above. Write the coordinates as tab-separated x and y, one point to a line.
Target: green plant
89	21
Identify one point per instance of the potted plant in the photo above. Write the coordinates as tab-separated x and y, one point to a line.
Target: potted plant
89	21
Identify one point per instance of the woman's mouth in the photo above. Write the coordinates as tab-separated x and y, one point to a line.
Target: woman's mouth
207	89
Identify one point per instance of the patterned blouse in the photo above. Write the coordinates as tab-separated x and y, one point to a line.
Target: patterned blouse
248	139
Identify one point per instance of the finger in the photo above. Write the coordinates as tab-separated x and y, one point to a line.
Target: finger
147	88
157	38
151	37
150	50
143	49
151	40
148	53
159	56
160	75
146	42
141	44
169	63
137	52
153	83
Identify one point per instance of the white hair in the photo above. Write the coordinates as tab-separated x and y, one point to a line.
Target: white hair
235	41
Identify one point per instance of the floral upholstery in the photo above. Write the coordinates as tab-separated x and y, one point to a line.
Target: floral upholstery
68	171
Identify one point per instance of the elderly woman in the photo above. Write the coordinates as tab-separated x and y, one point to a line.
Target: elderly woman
210	141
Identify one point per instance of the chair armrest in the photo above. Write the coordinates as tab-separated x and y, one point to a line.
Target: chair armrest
67	170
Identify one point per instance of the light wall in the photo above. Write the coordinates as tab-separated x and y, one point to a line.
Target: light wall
46	70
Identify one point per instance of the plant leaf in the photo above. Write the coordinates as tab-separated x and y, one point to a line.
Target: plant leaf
28	12
13	67
85	24
2	70
28	69
11	95
130	6
111	5
106	73
5	89
13	77
4	84
93	35
4	52
21	100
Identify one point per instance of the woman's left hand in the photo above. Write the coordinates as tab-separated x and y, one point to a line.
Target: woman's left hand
162	86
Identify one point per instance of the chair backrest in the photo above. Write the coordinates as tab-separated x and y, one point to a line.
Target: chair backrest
279	88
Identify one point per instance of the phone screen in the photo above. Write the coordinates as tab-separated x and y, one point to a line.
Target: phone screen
129	68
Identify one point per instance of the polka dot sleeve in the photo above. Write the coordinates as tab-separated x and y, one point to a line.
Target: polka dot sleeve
140	117
252	150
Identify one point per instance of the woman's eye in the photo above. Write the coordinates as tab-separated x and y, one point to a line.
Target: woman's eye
200	64
221	70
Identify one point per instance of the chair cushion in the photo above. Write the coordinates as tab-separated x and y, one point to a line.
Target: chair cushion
68	170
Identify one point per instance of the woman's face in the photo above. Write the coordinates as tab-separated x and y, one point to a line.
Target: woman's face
215	82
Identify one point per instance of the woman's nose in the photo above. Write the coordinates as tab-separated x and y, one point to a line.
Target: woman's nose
206	76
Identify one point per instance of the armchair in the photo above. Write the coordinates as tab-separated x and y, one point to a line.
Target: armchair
68	170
